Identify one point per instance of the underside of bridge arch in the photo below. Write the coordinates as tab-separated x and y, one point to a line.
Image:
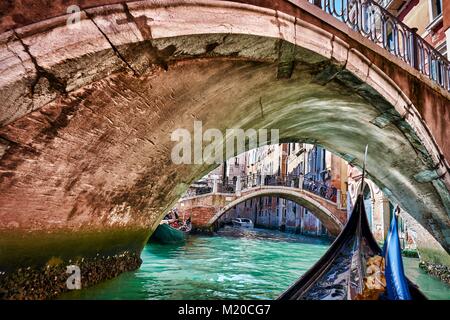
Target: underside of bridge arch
326	216
87	114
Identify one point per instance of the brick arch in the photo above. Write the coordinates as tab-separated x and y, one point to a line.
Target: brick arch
65	66
84	117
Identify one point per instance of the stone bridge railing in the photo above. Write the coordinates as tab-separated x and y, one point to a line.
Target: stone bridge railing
381	27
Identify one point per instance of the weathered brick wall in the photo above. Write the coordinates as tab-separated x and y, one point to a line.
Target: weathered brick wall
200	216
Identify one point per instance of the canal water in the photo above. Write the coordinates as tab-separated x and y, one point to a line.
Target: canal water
234	264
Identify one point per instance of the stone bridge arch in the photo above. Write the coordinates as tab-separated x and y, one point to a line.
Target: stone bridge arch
86	113
326	211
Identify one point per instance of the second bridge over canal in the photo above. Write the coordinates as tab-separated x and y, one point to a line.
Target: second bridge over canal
206	208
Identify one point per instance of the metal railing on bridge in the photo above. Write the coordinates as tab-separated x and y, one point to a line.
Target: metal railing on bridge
321	189
377	24
242	183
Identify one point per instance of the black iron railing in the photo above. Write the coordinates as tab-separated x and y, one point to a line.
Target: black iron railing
226	186
250	181
377	24
321	189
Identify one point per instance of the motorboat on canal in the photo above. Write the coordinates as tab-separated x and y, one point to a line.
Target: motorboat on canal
242	222
356	268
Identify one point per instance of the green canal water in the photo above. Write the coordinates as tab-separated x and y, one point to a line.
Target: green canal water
234	264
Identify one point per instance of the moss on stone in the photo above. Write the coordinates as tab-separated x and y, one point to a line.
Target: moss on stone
19	249
434	256
49	281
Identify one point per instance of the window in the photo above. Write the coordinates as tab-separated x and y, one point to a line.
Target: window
435	9
385	3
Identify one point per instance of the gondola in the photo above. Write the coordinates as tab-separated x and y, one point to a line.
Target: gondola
167	234
339	274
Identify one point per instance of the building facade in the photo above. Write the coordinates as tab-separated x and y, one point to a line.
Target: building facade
316	170
430	17
309	166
